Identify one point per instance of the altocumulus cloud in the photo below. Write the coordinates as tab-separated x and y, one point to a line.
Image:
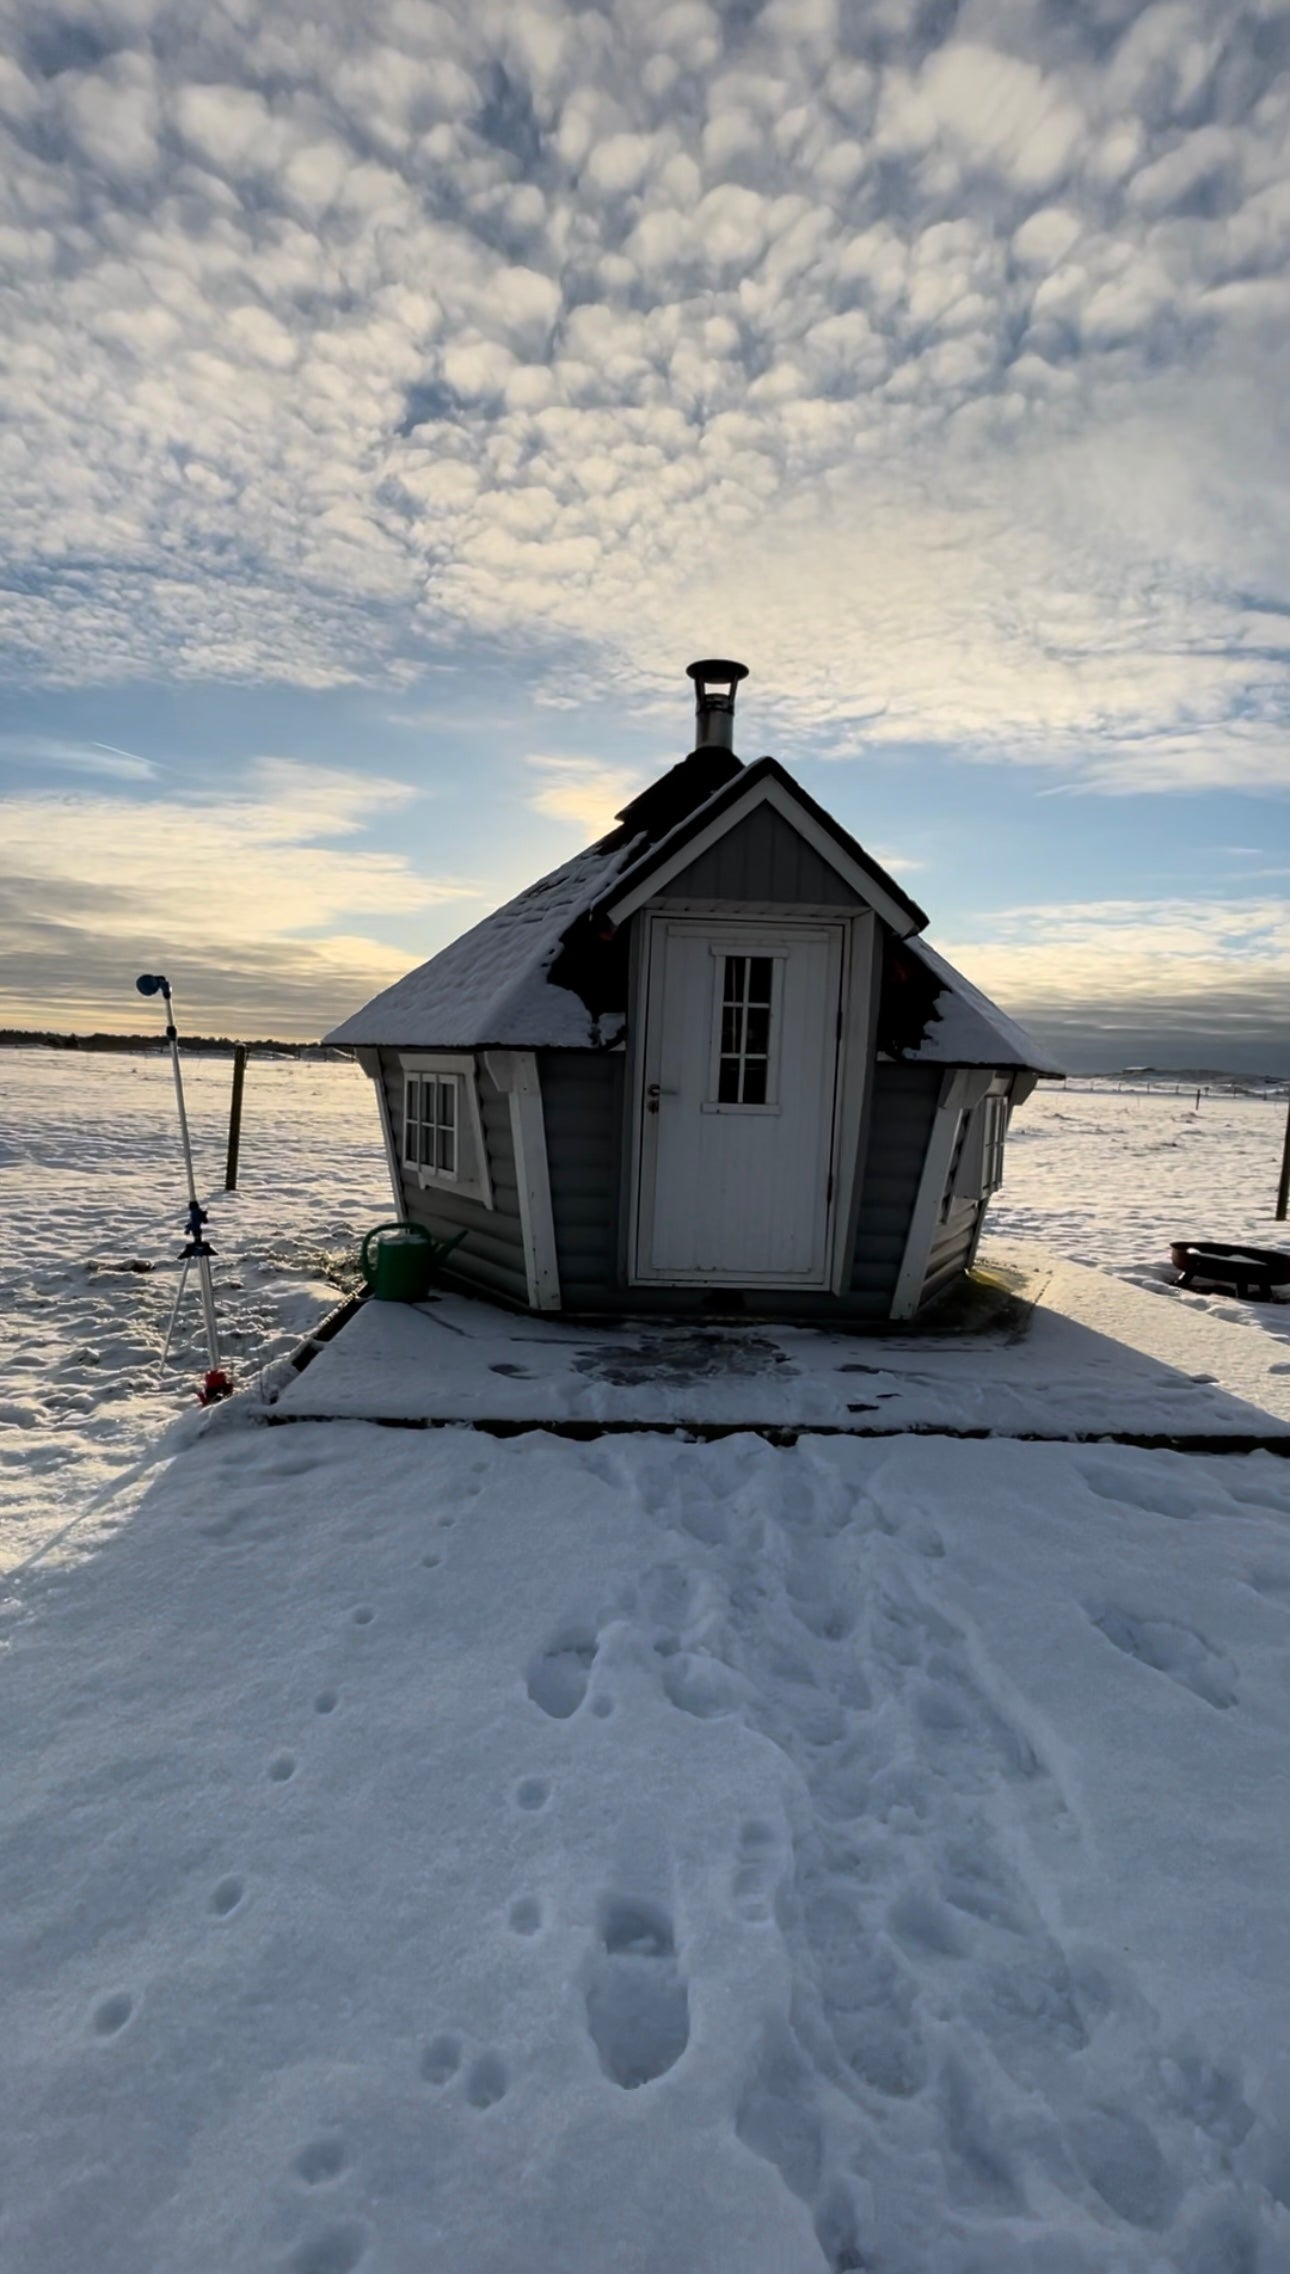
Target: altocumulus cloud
228	888
927	355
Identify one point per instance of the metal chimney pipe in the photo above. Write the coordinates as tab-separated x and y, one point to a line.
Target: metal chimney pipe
714	700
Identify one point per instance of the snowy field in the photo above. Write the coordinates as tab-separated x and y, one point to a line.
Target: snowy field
91	1186
1110	1178
93	1199
429	1852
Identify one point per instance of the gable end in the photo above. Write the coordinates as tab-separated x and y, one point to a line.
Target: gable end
764	860
766	785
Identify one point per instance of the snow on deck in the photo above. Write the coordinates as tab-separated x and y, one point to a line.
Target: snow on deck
428	1852
1093	1357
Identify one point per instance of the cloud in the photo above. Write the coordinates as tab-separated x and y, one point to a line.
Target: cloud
583	792
1177	981
222	890
41	750
937	369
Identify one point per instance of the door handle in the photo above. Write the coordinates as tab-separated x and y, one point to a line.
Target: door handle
654	1092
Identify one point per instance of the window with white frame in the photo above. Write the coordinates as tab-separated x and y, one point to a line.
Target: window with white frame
431	1123
976	1164
745	1048
441	1145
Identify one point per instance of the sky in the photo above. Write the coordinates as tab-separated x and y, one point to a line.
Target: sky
396	399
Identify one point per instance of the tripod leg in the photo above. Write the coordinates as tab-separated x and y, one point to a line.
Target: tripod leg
208	1307
174	1316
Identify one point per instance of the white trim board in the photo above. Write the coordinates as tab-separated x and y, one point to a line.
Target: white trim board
854	1075
960	1091
370	1061
515	1074
772	793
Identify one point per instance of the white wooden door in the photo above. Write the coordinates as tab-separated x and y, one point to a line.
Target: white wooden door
738	1074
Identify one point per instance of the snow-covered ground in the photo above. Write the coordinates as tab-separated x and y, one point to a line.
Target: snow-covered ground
91	1183
1110	1178
428	1852
92	1189
424	1851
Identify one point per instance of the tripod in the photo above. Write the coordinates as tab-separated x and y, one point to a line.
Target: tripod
197	1249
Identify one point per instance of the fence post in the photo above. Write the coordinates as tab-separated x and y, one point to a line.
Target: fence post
1283	1189
235	1118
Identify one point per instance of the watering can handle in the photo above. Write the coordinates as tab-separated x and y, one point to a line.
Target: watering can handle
399	1224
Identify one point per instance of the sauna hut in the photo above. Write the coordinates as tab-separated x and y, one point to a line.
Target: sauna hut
708	1066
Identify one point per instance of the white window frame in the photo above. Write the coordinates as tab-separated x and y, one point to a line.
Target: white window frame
470	1174
443	1092
977	1166
771	1104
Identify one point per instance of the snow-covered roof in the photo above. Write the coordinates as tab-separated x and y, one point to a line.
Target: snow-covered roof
967	1029
489	989
492	988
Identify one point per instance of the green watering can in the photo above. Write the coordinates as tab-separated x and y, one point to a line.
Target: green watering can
407	1258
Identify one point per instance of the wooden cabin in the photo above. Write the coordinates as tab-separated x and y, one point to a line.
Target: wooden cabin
706	1067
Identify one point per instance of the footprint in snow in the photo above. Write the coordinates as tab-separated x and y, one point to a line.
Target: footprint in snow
638	2006
486	2078
525	1915
559	1673
441	2058
336	2249
227	1897
1121	2158
319	2161
282	1768
111	2014
486	2081
778	2118
1170	1648
532	1793
326	1701
1125	1486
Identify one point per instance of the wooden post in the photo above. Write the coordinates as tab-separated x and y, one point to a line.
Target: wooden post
1283	1189
235	1118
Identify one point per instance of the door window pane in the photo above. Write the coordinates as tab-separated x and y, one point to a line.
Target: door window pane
743	1074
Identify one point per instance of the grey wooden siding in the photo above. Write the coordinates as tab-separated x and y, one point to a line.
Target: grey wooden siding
492	1258
951	1249
900	1122
762	860
582	1108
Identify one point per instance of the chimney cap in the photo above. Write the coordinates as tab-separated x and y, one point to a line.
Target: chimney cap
715	668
